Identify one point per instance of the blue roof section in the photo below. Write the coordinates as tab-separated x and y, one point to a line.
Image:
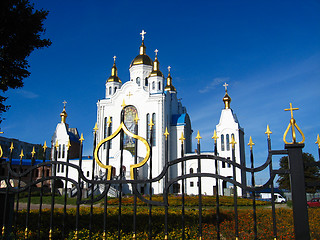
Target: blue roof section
25	162
178	119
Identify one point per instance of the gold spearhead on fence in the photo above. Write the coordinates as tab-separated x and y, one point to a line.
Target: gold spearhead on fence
123	104
182	138
250	143
21	154
198	137
292	125
11	147
151	124
233	142
81	138
57	145
33	152
45	146
95	128
166	133
318	141
268	131
68	145
215	137
136	119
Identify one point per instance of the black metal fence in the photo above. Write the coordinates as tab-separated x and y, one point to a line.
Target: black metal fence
22	181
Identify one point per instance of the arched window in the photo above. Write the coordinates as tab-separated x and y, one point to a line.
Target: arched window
154	129
191	170
138	81
148	127
59	151
227	142
159	85
222	142
63	150
153	86
146	82
115	89
130	113
110	90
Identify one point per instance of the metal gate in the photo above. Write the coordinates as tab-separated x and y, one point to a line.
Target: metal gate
12	187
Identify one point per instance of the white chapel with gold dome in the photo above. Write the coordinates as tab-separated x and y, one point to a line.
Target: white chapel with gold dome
150	99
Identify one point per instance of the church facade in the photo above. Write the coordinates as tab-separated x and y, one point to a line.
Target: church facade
148	99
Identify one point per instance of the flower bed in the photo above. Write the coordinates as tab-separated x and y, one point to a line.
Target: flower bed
264	223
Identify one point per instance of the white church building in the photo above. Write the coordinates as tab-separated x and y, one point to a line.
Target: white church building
150	98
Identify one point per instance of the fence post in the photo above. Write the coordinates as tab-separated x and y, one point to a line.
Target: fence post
298	190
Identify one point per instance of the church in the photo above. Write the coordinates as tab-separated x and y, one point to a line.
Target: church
149	98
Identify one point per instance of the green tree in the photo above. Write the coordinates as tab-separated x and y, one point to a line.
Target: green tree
21	28
311	173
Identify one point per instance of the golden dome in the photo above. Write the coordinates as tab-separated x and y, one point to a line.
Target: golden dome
156	71
63	115
169	86
226	99
142	58
114	73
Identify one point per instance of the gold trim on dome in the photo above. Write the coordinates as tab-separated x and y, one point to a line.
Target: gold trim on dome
113	135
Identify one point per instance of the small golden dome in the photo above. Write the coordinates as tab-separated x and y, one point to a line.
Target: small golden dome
226	99
142	58
169	86
114	73
63	115
155	70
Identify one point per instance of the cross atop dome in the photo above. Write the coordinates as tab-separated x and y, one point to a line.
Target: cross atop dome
64	103
169	69
226	86
156	51
114	59
142	34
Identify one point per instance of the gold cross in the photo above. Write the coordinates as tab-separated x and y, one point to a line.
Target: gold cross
291	109
129	94
142	34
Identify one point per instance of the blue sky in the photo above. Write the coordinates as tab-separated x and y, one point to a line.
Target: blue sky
267	51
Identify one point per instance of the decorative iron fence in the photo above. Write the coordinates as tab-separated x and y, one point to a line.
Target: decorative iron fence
20	181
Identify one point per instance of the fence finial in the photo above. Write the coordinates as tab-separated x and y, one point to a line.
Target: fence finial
166	133
268	131
318	141
250	143
293	125
215	136
233	142
198	137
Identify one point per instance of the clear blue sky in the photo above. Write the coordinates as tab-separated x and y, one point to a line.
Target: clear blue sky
267	51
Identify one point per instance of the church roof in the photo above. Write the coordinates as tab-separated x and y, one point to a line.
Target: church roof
178	119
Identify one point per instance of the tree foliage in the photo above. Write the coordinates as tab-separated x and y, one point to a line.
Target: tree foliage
311	173
21	28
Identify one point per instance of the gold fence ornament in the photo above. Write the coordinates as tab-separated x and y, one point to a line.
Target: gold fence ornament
292	125
318	141
113	135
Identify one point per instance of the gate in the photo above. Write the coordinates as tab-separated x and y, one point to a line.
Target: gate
21	182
